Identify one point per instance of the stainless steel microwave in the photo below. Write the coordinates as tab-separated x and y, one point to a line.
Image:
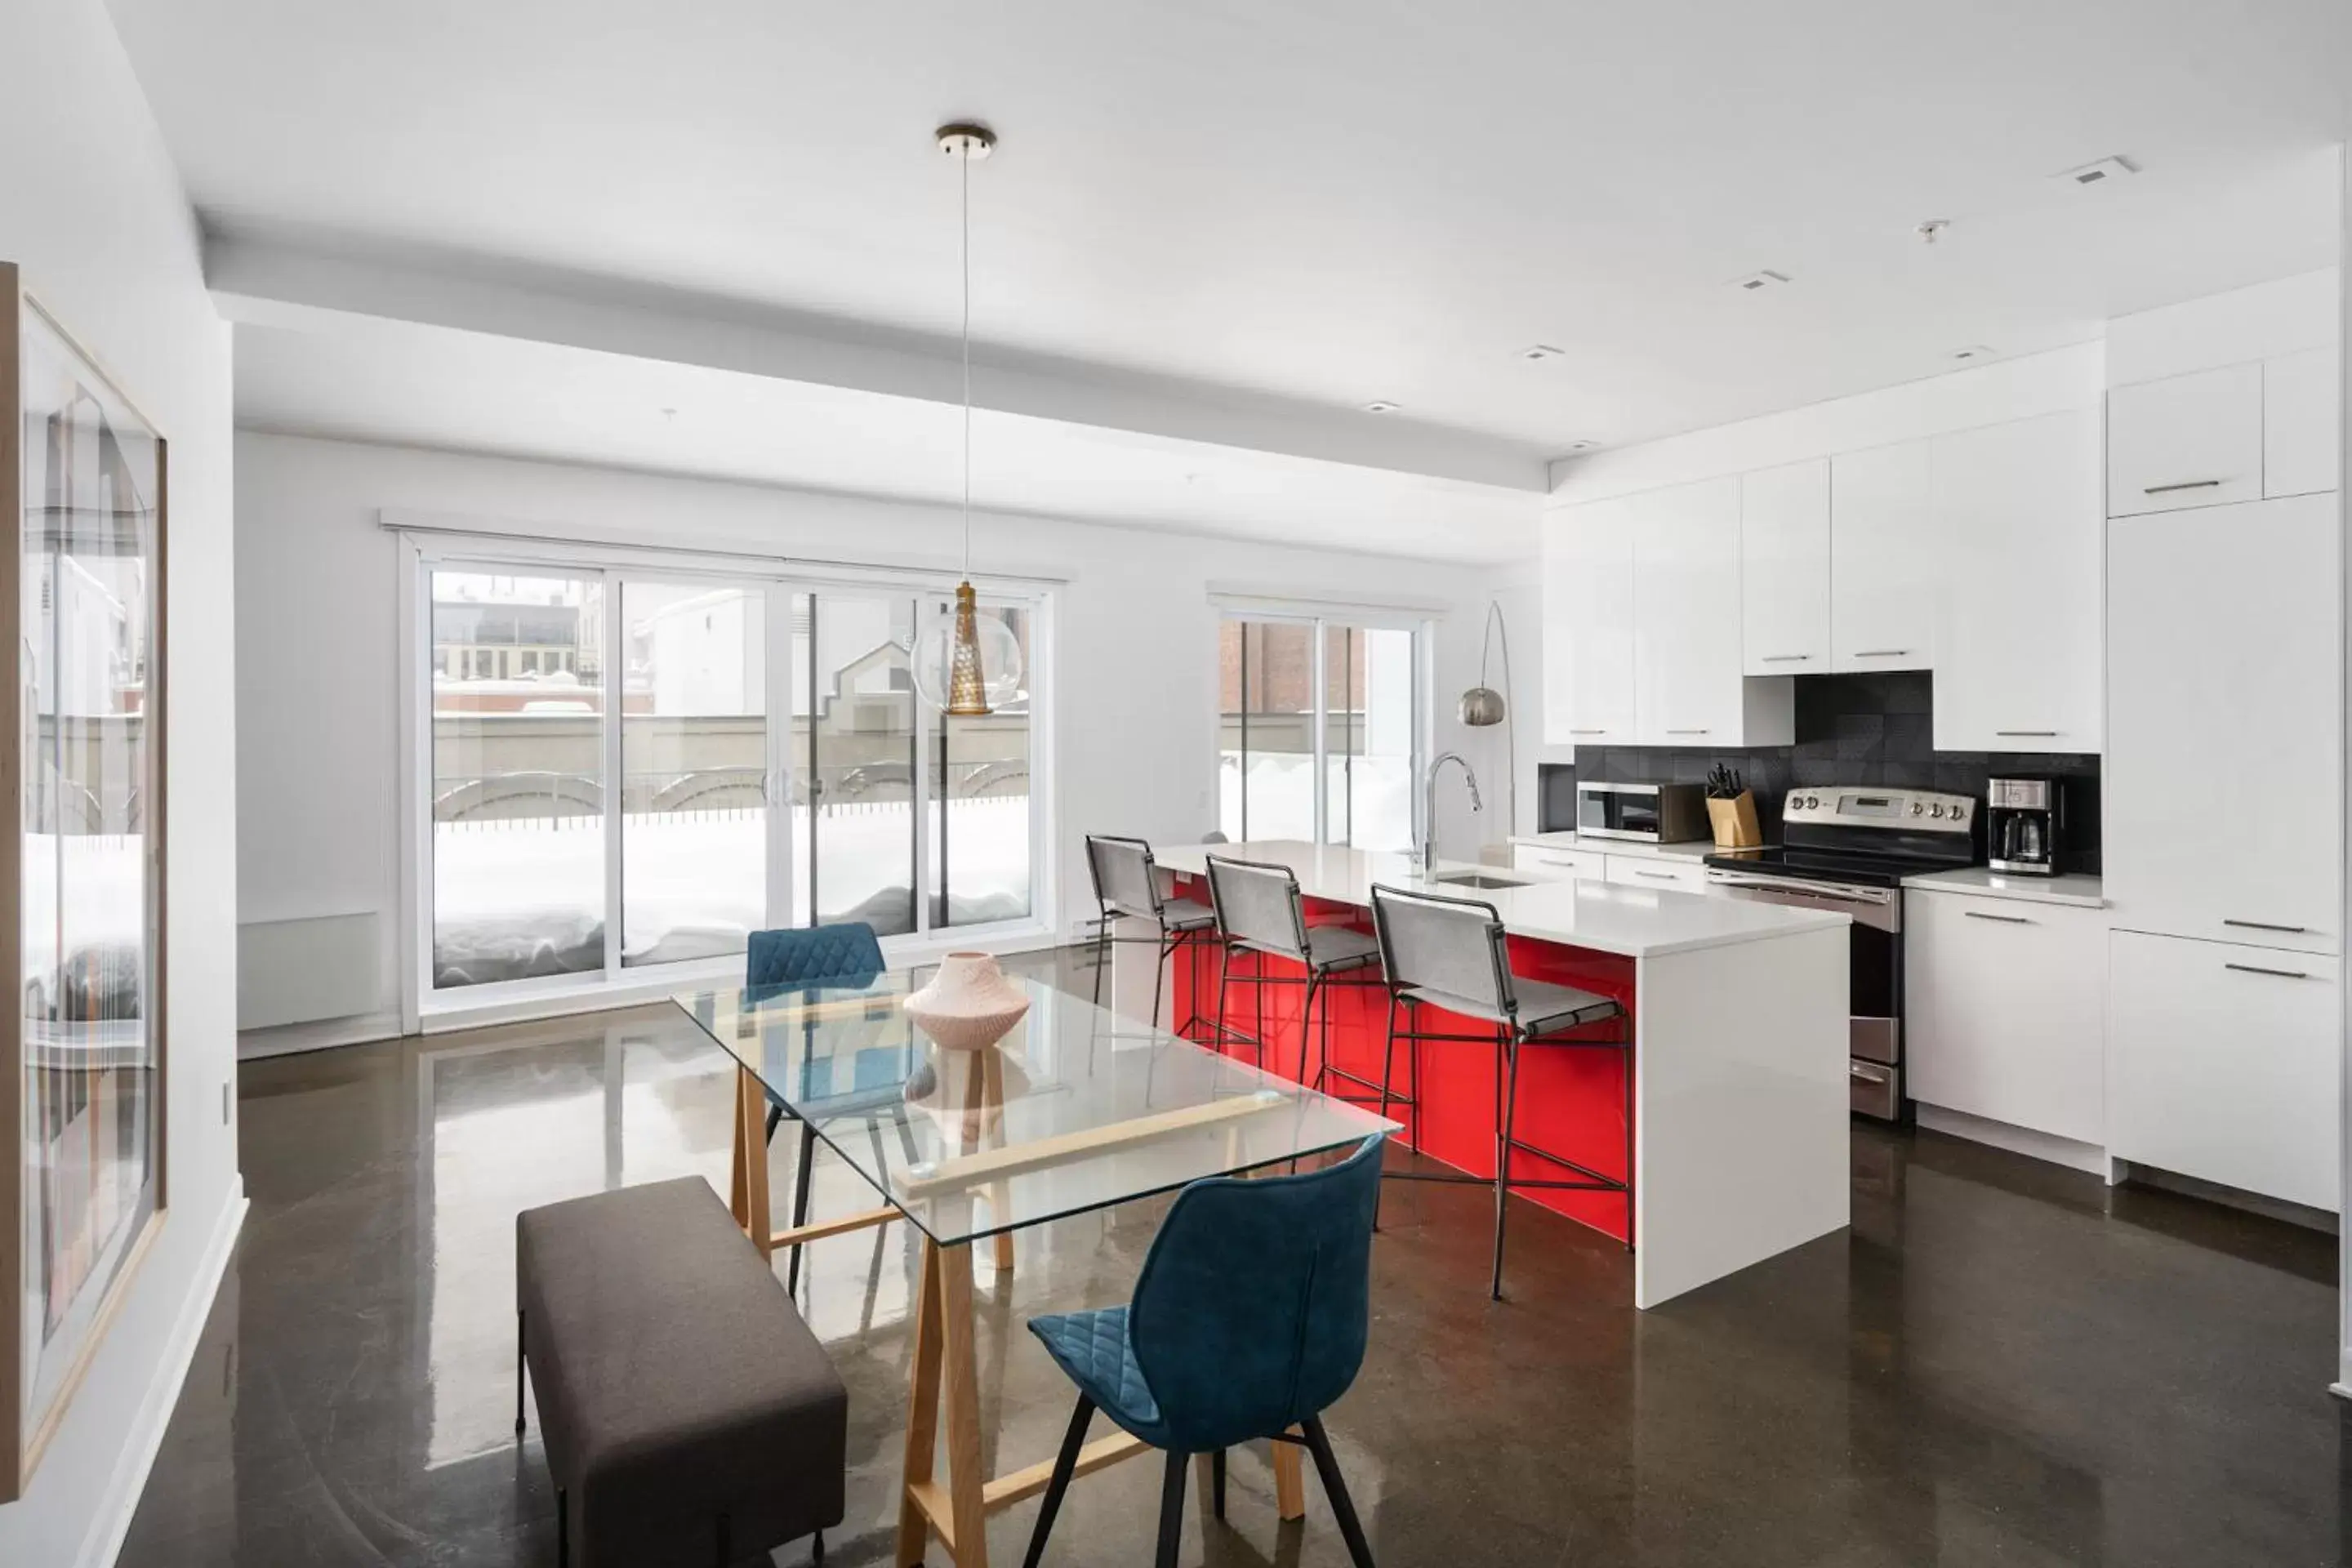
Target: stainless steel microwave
1652	813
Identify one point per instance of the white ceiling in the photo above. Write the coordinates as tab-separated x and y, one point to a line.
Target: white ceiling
1326	201
431	386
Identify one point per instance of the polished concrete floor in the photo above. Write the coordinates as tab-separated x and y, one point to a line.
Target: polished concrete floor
2002	1362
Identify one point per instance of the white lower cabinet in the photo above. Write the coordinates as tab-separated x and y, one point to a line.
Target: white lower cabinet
2222	1065
2005	1011
1559	864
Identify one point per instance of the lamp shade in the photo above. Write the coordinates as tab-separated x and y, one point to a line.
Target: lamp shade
967	665
1482	707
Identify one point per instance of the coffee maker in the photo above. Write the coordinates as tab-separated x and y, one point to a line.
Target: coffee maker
2025	820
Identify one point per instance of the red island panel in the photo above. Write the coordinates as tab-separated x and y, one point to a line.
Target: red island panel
1571	1100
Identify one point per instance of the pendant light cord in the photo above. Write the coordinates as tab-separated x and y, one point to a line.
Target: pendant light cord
965	159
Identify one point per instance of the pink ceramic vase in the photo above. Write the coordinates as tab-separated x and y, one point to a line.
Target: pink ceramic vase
969	1003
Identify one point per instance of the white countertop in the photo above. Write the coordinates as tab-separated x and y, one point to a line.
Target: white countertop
1633	923
1689	850
2084	892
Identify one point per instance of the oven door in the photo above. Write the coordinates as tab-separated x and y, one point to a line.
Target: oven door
1874	994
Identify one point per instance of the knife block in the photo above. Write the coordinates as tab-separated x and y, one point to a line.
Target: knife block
1735	822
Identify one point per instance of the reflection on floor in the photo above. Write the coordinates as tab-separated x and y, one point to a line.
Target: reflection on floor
2003	1364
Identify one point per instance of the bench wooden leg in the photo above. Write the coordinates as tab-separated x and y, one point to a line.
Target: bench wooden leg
1289	1480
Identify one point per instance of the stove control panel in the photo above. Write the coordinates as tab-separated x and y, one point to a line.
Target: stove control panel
1908	810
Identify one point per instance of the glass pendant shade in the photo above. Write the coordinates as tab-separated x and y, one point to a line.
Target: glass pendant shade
966	664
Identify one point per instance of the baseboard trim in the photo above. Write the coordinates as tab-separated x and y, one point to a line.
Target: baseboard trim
289	1039
2017	1140
145	1439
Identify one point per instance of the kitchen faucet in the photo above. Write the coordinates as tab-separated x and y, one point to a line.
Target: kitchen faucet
1429	805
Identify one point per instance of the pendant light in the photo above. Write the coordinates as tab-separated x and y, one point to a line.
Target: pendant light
1483	707
967	663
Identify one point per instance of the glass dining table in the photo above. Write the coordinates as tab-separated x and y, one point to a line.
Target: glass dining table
1075	1109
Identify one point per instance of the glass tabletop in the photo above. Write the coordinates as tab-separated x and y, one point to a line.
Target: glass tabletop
1075	1109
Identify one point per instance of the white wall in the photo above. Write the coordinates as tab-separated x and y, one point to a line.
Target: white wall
317	746
91	210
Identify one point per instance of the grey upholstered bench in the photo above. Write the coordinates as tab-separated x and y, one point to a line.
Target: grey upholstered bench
689	1416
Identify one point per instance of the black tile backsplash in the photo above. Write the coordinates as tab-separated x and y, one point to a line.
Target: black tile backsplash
1872	729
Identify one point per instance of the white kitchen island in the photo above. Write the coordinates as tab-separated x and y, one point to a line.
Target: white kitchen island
1740	1050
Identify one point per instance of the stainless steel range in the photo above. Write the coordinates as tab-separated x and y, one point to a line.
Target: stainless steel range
1848	847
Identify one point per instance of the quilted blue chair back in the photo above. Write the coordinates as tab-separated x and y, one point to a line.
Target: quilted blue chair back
846	954
1254	1303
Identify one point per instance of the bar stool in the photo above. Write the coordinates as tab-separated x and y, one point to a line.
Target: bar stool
1450	953
1126	883
1260	911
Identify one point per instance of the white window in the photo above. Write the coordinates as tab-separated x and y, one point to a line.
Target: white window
1319	697
656	762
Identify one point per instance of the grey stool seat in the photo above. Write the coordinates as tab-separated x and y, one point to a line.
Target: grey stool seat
1187	915
1544	1008
688	1415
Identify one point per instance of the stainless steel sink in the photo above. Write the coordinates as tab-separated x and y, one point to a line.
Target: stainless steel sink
1479	880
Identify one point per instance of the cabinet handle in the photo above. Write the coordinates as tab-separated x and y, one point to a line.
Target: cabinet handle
1686	731
2038	734
1600	732
2183	485
1785	658
1882	653
1865	1073
1656	875
1555	860
2005	919
2265	925
2277	974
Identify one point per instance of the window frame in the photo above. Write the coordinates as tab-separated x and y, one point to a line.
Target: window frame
422	551
1319	622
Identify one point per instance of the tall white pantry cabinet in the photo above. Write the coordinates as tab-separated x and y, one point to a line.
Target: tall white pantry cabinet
2224	782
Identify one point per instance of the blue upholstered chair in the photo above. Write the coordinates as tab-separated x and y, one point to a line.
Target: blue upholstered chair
848	954
1249	1320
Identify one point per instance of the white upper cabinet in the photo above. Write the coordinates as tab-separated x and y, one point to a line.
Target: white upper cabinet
2018	638
1588	611
2223	813
1686	662
2303	423
2186	441
1882	572
1784	565
1688	689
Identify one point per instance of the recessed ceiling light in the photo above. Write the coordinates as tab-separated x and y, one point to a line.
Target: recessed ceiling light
1580	445
1971	354
1540	350
2099	174
1932	230
1755	281
1380	405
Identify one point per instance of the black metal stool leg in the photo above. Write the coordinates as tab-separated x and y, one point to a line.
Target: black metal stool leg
522	1361
1326	1465
1217	1482
1172	1510
725	1554
775	1114
1065	1463
563	1530
816	1547
1102	953
1503	1156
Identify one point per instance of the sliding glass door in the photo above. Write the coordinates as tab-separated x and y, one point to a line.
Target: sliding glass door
695	767
517	774
1307	697
626	770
